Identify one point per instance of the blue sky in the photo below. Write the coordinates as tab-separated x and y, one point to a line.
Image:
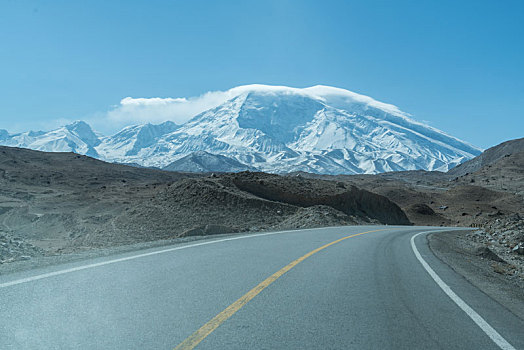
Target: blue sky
457	65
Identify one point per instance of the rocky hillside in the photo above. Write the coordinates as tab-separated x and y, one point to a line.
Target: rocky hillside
489	157
304	192
504	175
53	203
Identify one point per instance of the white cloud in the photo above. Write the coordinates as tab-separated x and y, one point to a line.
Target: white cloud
132	111
157	110
179	110
150	101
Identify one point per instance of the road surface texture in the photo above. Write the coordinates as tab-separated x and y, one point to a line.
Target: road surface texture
361	287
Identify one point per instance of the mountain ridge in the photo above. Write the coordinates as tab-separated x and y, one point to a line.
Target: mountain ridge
274	129
204	162
490	156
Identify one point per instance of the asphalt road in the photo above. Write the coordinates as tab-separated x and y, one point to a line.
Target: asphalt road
368	291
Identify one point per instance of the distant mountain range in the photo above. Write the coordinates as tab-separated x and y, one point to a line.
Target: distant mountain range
203	162
273	129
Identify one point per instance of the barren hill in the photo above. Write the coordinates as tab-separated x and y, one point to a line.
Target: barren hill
489	157
494	188
63	202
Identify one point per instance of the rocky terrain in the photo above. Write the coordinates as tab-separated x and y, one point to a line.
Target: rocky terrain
503	240
55	203
489	157
484	262
48	200
437	199
492	258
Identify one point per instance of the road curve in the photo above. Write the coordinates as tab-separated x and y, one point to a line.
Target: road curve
333	288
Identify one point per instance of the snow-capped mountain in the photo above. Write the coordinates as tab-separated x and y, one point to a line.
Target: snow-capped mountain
77	137
133	140
203	162
275	129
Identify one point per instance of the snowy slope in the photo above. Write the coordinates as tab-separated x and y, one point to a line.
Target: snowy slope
133	140
77	137
201	162
279	129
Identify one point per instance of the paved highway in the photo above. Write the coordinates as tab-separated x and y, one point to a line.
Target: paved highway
374	287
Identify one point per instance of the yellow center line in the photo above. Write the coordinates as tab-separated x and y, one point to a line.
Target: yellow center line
194	339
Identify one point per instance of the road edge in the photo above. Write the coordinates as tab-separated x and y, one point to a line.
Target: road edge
500	341
477	271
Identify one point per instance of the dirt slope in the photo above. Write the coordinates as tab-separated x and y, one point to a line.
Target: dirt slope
304	192
489	157
53	203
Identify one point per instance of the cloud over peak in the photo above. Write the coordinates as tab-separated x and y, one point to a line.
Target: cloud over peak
151	101
179	110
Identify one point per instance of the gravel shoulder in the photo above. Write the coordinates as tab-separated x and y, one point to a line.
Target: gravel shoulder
487	271
41	261
93	253
36	262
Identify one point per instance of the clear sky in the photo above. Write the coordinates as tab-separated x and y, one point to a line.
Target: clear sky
457	65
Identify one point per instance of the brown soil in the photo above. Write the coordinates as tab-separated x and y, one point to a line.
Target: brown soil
304	193
454	202
55	203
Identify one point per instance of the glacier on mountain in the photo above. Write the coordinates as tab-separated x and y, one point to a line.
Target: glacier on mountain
274	129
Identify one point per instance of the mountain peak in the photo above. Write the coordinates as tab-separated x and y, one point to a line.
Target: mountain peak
202	161
80	127
78	123
278	129
333	96
83	131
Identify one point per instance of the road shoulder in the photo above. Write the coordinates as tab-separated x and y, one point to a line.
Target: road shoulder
462	256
